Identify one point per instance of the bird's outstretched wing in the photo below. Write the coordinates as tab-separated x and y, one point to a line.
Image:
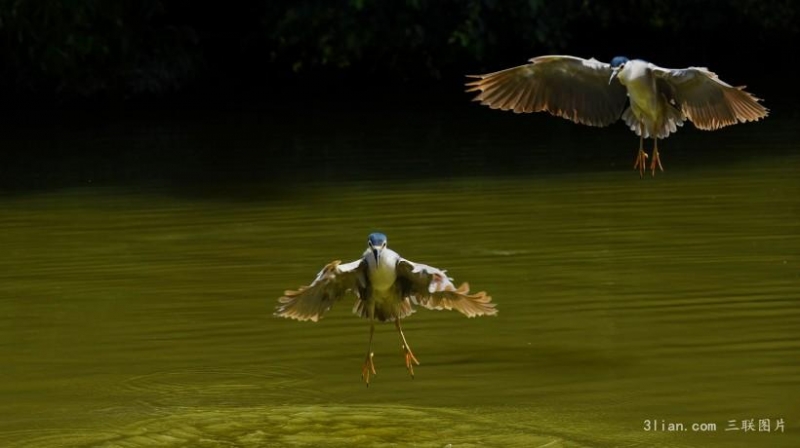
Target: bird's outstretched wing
431	287
566	86
332	282
706	100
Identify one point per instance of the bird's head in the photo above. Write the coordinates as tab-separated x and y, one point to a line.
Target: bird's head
616	65
376	242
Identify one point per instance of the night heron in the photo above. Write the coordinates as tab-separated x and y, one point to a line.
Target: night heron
594	93
387	286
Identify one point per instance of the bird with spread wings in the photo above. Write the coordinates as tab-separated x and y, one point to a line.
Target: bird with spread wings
387	287
594	93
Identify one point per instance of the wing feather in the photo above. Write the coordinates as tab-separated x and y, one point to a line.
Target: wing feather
709	102
431	288
332	283
565	86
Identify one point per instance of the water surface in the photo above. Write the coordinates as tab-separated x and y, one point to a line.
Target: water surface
137	311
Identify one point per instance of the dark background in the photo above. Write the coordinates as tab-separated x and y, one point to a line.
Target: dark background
143	53
280	92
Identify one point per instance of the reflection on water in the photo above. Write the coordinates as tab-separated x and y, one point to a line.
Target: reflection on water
307	425
141	315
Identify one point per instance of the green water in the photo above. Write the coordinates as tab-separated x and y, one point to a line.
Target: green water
140	315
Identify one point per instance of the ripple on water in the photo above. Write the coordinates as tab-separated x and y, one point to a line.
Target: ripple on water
308	425
222	387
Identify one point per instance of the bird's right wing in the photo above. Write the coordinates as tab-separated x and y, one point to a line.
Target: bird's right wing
566	86
332	282
431	287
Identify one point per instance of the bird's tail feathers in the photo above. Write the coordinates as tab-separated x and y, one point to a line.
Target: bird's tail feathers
401	310
674	118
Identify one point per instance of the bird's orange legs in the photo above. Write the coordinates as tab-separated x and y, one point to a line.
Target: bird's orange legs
656	162
641	157
409	356
369	366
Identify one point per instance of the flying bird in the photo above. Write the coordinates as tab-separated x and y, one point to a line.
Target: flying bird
387	287
595	93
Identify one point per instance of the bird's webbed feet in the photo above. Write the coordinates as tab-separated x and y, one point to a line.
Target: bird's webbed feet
406	349
656	162
409	358
639	163
368	368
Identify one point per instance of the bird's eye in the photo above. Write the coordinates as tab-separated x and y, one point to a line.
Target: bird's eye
369	243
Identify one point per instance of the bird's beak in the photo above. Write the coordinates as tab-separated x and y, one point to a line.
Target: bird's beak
375	253
614	74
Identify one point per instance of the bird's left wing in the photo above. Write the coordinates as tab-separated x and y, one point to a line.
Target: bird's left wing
706	100
565	86
431	287
332	282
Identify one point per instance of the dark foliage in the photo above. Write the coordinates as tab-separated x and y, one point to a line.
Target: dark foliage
92	48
